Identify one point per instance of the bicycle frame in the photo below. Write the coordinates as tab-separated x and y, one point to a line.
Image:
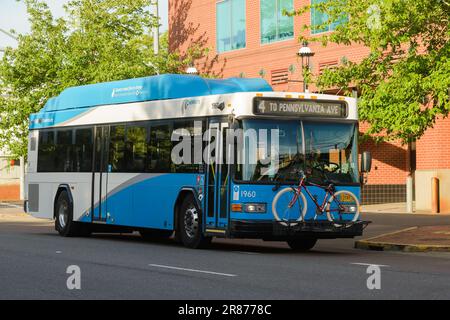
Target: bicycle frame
320	207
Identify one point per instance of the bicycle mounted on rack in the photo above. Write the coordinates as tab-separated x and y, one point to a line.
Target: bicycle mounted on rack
341	209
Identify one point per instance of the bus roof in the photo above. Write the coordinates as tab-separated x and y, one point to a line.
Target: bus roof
162	87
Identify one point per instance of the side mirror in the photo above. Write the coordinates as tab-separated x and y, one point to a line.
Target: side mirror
234	124
366	162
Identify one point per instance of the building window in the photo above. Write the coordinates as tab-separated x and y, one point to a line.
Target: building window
230	25
274	25
319	20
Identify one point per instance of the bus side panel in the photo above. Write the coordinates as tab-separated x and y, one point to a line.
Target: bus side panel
146	202
43	188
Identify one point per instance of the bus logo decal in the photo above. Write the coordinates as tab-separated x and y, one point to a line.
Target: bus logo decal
236	193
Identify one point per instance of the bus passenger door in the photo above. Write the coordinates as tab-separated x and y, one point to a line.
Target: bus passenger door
217	179
100	175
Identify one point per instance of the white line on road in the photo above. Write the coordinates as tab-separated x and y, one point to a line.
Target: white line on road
193	270
247	252
369	264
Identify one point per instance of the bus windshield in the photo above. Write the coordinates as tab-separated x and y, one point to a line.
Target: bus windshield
325	151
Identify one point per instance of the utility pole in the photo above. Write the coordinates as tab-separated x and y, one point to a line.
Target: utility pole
156	30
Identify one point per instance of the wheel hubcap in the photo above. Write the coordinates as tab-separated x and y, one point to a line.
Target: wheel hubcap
191	222
62	215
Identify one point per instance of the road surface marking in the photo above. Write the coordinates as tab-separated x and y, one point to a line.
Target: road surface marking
58	252
369	264
247	252
193	270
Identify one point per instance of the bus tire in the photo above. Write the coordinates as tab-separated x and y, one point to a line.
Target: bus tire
190	225
302	244
155	234
64	223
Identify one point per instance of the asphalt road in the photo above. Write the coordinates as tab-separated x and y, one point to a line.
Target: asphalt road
34	260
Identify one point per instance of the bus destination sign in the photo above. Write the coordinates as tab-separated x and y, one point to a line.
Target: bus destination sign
297	107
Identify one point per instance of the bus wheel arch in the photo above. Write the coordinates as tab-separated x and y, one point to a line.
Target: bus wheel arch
62	188
185	192
188	199
63	204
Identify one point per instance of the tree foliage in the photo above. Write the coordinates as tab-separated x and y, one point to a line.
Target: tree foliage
96	41
404	81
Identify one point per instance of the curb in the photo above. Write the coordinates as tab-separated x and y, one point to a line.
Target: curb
373	244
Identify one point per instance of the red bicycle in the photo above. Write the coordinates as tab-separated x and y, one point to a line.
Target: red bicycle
289	206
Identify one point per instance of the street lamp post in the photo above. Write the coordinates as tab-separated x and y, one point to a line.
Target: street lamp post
192	70
156	31
305	53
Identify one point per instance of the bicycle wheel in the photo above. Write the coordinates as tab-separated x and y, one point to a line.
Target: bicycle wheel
342	207
289	215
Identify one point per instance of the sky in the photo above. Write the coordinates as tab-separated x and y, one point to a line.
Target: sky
13	15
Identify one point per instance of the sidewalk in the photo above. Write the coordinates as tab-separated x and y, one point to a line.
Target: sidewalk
414	239
398	208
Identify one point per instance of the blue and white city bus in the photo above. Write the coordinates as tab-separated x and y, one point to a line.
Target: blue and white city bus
99	160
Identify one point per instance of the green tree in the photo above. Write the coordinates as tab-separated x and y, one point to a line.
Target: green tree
97	41
405	79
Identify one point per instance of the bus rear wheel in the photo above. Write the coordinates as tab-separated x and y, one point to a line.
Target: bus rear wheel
64	223
302	245
190	225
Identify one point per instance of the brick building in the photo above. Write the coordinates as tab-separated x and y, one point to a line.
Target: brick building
9	178
252	38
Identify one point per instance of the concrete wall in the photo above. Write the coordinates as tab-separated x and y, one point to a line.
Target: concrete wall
423	189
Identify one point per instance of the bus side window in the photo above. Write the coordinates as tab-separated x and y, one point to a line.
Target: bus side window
64	147
83	150
136	149
189	165
159	149
117	148
46	151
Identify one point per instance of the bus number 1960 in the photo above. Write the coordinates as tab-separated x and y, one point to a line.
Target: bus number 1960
248	194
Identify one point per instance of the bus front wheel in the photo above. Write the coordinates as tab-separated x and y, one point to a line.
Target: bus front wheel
190	225
64	223
302	245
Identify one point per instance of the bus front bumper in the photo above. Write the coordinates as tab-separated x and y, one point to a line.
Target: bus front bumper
269	230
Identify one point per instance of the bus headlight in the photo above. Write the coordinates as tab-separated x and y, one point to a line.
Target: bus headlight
254	207
249	207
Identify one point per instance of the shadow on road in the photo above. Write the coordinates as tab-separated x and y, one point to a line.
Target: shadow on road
245	246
